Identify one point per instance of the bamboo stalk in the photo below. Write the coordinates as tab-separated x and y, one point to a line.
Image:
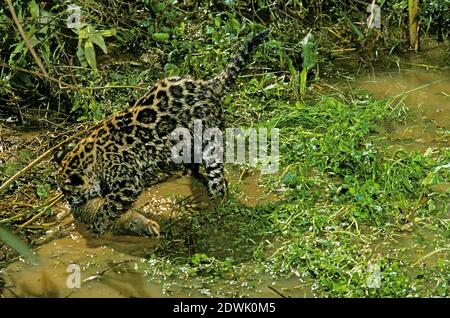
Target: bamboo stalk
413	10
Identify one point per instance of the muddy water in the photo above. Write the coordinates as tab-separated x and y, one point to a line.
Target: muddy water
115	266
425	93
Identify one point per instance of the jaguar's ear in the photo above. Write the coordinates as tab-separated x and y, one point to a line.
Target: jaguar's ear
75	180
59	155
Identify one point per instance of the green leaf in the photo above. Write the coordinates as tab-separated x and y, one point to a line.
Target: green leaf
218	22
43	190
76	105
89	54
81	56
354	28
230	3
199	258
83	32
107	33
235	25
25	155
159	7
96	110
98	40
46	53
34	41
171	69
18	49
18	245
309	52
146	22
161	37
34	9
303	75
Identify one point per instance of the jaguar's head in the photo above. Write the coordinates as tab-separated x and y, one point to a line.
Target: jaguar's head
74	186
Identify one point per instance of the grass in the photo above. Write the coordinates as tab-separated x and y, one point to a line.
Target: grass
350	206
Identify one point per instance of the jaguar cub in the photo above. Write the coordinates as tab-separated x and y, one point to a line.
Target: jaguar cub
105	172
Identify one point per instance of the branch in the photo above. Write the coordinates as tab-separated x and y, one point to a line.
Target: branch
46	76
42	157
25	39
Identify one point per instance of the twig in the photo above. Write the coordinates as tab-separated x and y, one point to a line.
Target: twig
420	87
277	292
46	76
13	218
25	39
42	157
105	270
422	65
115	86
428	255
12	292
34	218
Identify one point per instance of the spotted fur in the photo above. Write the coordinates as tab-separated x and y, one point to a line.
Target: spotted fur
103	175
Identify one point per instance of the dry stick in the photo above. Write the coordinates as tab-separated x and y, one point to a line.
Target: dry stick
13	218
25	39
100	274
39	74
277	292
428	255
42	157
34	218
420	87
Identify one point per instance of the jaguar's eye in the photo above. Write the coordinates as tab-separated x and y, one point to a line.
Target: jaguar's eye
76	180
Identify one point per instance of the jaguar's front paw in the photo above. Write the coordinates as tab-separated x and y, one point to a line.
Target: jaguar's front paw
136	224
153	228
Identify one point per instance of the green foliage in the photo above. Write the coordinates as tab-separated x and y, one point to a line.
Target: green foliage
204	265
344	194
18	245
87	37
9	168
43	190
435	14
332	138
309	59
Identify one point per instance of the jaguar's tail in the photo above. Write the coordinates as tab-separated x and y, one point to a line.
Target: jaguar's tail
223	82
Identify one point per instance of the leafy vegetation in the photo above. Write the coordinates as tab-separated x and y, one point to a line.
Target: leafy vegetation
22	248
102	45
345	199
